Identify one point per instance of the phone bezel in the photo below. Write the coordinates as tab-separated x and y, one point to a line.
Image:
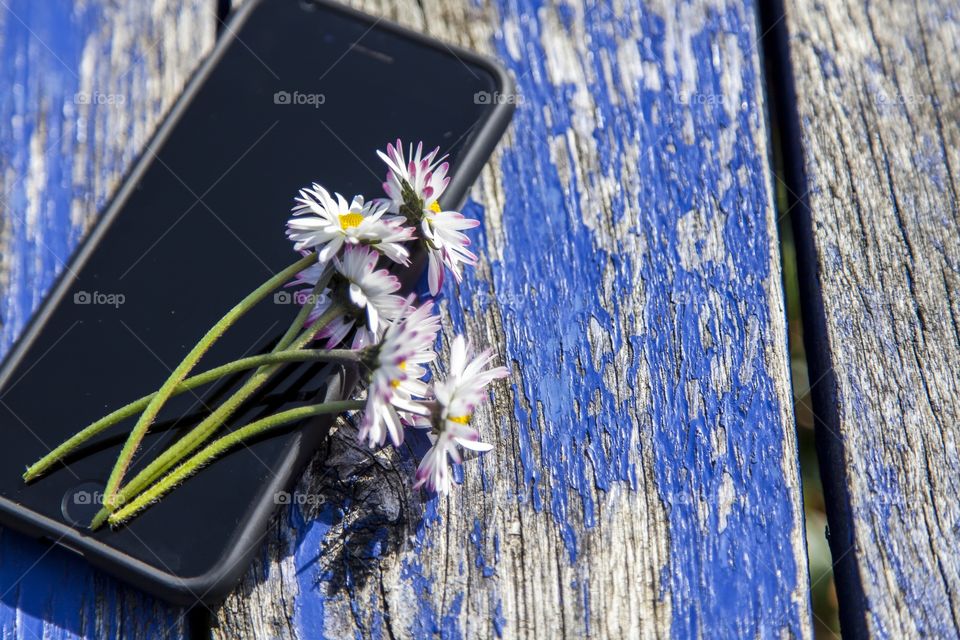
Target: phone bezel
212	586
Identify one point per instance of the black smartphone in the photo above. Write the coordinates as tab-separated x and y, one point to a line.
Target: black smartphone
294	92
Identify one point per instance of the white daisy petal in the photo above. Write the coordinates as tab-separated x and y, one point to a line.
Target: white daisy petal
456	397
414	184
357	296
393	395
327	223
473	445
368	289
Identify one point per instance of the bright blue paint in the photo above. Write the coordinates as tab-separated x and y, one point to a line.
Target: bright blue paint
499	621
748	569
544	329
38	82
450	626
310	536
33	75
476	539
54	595
719	582
425	624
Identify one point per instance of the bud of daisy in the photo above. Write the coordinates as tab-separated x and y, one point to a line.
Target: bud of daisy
413	187
415	182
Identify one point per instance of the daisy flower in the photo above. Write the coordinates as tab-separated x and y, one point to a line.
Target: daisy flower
414	185
396	372
446	245
329	222
456	398
368	292
415	181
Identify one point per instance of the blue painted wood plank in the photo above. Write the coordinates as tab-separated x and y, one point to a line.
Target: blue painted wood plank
644	480
82	87
645	476
875	99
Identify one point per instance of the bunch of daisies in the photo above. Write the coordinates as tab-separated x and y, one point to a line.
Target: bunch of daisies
346	285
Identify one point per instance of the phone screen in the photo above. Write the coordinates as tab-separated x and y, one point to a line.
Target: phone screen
301	94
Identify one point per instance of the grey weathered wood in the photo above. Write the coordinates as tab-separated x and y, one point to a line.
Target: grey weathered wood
62	155
878	99
487	562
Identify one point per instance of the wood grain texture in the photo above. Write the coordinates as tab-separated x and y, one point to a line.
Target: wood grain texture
877	89
82	87
644	481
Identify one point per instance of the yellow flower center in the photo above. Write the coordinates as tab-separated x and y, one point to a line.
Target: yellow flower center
350	220
403	367
460	419
434	207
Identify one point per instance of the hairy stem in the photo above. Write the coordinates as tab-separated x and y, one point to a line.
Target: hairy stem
221	445
189	361
208	426
68	446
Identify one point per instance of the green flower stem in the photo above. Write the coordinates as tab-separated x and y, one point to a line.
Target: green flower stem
219	446
132	408
163	394
297	325
135	407
208	426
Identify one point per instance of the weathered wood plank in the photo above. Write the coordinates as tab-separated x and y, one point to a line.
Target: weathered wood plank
876	91
644	481
82	87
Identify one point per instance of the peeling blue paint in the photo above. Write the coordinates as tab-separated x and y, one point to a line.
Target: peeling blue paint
499	622
309	538
450	627
477	538
425	623
889	504
738	579
725	580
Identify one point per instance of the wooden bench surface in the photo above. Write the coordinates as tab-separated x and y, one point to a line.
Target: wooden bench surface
644	480
876	89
